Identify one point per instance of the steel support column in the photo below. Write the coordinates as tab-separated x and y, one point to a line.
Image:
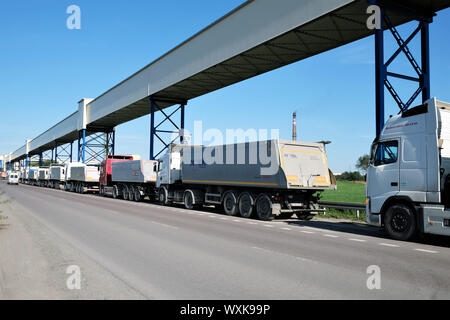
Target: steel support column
380	77
381	67
95	144
154	131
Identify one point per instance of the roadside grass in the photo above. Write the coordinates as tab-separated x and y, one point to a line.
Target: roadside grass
346	191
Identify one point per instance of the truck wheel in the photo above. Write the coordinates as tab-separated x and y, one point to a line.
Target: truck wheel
125	192
188	200
130	193
400	222
264	207
162	196
137	194
230	205
115	192
246	205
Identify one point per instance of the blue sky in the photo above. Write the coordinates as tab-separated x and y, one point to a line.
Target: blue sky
46	69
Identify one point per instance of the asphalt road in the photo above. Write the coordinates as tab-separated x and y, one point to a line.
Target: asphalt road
172	253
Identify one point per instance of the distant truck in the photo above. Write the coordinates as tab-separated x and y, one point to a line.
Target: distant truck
123	177
408	179
33	176
43	174
82	178
57	176
285	183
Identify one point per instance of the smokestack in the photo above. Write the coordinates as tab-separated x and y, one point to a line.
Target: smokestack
294	126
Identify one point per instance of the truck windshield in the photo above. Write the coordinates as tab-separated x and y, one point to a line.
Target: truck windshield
385	152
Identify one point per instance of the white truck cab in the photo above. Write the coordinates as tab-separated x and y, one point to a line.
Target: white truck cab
408	178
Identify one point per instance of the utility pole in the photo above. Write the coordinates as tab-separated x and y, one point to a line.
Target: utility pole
294	126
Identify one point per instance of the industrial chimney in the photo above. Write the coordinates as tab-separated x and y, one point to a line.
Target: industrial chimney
294	126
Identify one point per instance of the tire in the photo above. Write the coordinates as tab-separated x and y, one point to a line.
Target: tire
304	215
137	194
230	204
400	222
130	193
115	192
162	196
125	192
264	207
188	200
246	205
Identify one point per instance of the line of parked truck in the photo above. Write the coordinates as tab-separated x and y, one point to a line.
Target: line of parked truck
407	189
285	179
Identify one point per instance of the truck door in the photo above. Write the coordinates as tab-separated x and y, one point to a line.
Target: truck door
383	173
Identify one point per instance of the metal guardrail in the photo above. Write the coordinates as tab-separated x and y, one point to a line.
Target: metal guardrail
343	205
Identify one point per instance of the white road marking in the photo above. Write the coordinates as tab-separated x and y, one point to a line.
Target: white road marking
389	245
164	225
288	229
357	240
249	222
236	220
223	219
267	225
330	236
308	232
427	251
285	254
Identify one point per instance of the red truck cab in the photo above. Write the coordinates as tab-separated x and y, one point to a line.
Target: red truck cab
105	170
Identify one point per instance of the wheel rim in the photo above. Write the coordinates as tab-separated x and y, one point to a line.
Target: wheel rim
263	207
229	204
245	206
131	194
162	196
137	195
400	221
188	201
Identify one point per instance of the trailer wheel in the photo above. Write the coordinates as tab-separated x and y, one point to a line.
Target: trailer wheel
230	204
130	193
246	204
115	192
264	207
188	200
125	192
137	194
400	222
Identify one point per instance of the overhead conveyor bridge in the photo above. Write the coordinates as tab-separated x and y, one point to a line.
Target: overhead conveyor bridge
256	37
